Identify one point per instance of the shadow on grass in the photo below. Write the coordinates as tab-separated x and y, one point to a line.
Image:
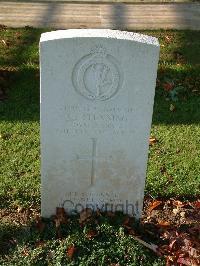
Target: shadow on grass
188	99
23	101
8	234
21	58
23	98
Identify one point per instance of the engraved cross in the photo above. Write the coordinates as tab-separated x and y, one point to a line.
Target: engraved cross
92	158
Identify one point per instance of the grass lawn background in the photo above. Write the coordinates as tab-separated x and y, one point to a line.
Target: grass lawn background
174	160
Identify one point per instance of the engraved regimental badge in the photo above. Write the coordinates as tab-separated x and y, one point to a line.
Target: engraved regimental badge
97	76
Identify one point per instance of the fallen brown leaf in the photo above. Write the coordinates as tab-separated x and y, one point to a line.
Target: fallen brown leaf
163	223
39	224
61	215
60	218
154	205
171	245
152	140
25	251
187	262
178	203
85	215
168	38
71	251
176	211
91	234
39	243
18	35
168	86
197	204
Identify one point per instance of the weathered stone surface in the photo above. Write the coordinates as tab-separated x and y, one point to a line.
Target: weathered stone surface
97	91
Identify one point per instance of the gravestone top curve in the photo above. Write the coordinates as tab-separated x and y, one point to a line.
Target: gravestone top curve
98	33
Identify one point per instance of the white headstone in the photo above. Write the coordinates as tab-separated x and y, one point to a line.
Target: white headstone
97	93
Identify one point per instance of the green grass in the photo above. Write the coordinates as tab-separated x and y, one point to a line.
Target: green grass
178	134
174	160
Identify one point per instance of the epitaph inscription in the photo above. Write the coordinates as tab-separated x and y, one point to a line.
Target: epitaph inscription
97	76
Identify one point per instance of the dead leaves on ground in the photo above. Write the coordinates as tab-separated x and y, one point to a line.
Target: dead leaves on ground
60	217
177	232
182	249
170	228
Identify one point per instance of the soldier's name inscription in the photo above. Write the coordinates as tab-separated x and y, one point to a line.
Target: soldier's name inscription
81	119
